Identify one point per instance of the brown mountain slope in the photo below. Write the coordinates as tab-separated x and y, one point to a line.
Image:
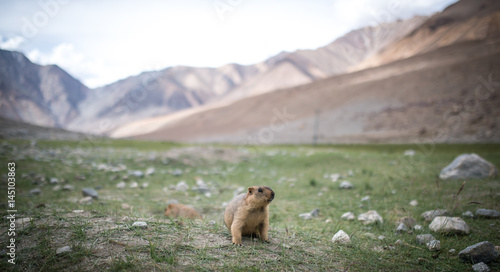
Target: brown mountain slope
466	20
174	89
440	96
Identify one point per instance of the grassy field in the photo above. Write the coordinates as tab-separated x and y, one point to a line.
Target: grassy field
101	235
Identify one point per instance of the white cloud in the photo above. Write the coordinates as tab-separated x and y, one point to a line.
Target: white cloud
11	43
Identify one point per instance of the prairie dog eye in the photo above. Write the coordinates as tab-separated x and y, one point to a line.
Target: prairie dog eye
260	190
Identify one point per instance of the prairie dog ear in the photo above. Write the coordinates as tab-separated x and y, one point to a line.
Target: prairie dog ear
250	190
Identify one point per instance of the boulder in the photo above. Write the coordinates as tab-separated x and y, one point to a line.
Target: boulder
481	252
468	166
449	225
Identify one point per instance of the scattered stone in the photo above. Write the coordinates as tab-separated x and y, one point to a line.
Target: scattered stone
176	172
54	180
452	251
346	185
211	223
365	198
401	228
68	187
182	186
424	238
310	215
468	214
409	153
370	217
86	200
133	185
144	185
341	238
125	206
481	267
22	221
335	177
77	211
468	166
140	224
418	227
449	225
35	191
487	213
434	245
121	185
348	216
413	203
150	171
90	192
430	215
63	250
481	252
381	237
136	173
56	188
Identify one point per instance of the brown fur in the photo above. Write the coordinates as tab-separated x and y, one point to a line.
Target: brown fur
180	210
248	214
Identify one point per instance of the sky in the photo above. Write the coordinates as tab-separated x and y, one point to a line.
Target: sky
102	41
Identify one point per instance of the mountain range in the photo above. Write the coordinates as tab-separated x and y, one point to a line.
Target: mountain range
397	82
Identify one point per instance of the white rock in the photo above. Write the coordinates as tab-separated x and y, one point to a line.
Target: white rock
409	153
121	185
86	200
365	198
370	217
434	245
341	238
68	187
182	186
481	267
429	215
449	225
413	203
468	214
418	227
144	185
63	249
133	185
125	206
345	185
348	216
425	238
54	180
140	224
150	171
401	228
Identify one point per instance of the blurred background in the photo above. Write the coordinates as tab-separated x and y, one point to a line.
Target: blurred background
252	72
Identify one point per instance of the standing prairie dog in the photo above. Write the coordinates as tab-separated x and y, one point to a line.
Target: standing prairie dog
248	214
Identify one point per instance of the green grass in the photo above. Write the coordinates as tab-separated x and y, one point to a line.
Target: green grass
102	237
